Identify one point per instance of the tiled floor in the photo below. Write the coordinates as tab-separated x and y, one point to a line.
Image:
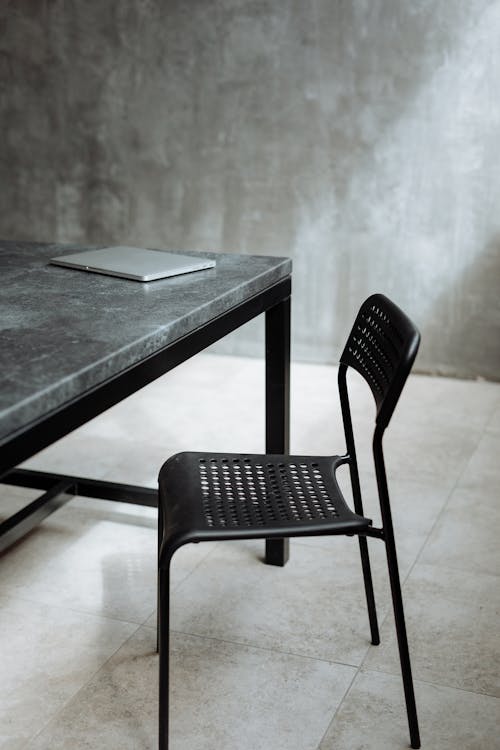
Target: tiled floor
263	657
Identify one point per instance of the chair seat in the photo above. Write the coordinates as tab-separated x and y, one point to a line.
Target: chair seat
229	495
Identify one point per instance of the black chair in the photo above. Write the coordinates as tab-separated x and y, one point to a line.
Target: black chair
205	496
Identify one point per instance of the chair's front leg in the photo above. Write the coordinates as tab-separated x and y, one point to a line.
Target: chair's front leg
160	540
164	655
278	402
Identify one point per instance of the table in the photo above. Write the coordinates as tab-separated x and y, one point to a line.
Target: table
73	344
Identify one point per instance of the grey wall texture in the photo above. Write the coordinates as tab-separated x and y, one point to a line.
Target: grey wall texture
359	137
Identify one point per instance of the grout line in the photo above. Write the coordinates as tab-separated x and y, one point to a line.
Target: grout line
58	607
256	647
337	710
432	683
203	560
82	687
443	509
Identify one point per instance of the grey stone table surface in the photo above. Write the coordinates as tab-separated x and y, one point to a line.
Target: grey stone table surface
64	331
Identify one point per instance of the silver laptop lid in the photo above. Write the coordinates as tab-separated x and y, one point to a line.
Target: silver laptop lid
133	262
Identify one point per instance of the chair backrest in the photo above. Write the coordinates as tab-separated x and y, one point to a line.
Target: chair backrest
382	347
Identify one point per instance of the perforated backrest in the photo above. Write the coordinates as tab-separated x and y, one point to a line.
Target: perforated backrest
382	347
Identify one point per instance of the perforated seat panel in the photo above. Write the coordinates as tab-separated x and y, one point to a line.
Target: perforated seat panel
248	494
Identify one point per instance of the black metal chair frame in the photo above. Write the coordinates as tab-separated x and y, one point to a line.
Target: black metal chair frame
207	496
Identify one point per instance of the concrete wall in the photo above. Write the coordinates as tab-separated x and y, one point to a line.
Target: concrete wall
360	137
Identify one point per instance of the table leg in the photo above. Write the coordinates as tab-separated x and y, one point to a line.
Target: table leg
277	402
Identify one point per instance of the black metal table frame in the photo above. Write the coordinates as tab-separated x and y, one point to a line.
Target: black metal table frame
58	489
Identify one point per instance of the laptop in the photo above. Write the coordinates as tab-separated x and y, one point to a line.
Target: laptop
133	262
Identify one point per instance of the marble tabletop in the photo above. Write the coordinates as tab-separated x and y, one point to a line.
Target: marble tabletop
64	331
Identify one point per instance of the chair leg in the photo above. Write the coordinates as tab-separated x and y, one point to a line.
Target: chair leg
370	596
404	654
163	648
160	539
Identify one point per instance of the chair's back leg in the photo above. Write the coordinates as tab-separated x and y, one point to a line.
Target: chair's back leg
397	598
404	654
164	655
370	596
358	503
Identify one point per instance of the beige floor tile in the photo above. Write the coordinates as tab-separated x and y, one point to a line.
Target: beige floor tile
316	421
13	499
373	717
494	421
93	556
47	654
76	455
466	535
484	465
439	402
429	454
452	619
207	403
428	409
425	450
315	606
222	697
139	464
